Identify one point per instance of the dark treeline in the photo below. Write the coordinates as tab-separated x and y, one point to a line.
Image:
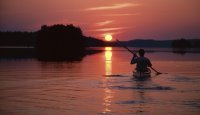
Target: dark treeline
18	38
29	39
62	42
59	42
149	43
67	42
183	43
93	42
56	42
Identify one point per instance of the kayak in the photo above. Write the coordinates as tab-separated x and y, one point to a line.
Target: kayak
137	74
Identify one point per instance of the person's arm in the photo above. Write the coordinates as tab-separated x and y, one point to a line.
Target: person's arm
149	63
133	60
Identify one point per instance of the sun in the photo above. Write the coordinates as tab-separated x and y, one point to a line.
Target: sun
108	37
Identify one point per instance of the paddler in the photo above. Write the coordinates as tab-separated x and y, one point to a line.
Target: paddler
142	63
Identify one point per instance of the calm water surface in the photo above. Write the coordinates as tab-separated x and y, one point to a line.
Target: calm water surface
101	84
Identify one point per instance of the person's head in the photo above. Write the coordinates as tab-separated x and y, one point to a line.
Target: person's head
141	52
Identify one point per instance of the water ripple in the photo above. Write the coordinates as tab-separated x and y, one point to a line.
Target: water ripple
184	79
144	88
130	102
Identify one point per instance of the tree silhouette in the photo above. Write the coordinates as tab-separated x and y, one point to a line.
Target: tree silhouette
180	46
181	43
60	42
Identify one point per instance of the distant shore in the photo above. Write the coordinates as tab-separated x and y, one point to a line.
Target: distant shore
67	42
28	39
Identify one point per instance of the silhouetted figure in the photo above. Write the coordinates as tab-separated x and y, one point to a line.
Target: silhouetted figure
142	62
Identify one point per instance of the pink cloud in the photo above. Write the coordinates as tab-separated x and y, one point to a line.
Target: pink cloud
114	6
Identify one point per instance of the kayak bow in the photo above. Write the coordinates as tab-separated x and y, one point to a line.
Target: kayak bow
142	74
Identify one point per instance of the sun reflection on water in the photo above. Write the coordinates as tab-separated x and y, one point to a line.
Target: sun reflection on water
108	60
108	93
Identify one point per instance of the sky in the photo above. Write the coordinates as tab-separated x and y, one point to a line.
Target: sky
123	19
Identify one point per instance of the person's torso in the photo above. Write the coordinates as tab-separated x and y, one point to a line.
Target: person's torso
142	63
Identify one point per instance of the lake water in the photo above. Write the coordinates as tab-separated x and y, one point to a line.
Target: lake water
101	84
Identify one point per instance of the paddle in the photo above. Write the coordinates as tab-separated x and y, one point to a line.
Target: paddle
135	54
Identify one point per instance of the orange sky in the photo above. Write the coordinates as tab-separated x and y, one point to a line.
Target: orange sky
124	19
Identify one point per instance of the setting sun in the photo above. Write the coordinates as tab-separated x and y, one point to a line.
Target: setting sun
108	37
